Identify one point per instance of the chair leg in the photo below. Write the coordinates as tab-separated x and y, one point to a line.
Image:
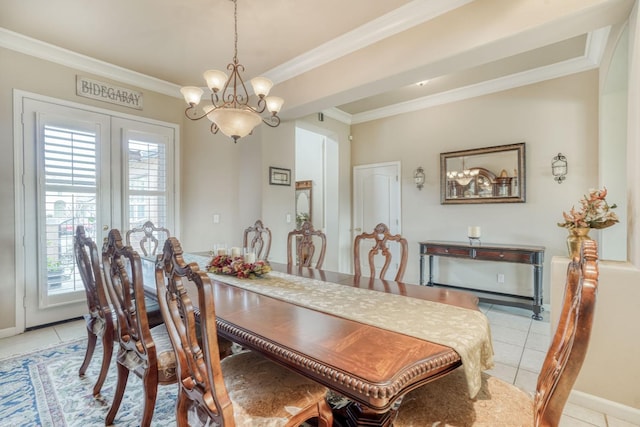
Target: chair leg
150	383
107	352
123	376
325	414
182	410
91	346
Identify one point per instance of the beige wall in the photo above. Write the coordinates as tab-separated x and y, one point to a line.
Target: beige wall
557	115
611	368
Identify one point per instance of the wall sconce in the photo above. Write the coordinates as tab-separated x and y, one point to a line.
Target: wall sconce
418	177
559	168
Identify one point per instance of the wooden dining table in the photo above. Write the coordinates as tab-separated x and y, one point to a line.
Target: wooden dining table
373	367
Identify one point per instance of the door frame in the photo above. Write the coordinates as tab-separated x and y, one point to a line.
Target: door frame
19	188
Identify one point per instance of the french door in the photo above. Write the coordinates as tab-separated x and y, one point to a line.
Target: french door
85	168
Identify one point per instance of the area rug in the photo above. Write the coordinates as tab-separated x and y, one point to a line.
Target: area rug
43	389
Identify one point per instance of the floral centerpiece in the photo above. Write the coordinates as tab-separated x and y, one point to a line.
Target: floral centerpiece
594	212
230	266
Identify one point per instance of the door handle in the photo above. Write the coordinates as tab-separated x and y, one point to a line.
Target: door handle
357	229
105	227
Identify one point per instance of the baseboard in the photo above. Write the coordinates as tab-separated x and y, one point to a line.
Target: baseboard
8	332
609	407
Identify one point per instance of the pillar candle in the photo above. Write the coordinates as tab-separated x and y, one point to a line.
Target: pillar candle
250	257
473	231
235	252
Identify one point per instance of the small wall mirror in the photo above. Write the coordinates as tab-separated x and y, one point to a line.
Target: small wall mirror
303	202
483	175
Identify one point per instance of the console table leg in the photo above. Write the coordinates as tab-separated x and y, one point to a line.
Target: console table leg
537	292
430	283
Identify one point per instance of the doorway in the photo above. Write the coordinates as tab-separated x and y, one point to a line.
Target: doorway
316	160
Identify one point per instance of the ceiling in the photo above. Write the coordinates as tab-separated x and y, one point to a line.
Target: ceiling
356	60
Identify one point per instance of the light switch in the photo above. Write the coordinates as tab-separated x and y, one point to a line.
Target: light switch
216	218
288	218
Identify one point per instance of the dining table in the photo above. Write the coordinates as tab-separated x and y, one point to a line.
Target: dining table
369	340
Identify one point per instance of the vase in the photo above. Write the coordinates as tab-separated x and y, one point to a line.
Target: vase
575	239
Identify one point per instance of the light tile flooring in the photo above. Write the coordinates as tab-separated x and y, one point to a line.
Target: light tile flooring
519	342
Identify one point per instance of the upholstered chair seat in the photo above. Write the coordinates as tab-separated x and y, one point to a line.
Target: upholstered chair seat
445	403
262	390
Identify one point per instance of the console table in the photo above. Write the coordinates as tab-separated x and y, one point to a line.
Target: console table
532	255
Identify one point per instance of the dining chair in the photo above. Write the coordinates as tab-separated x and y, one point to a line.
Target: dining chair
301	240
145	238
145	351
380	237
100	319
445	401
258	238
244	389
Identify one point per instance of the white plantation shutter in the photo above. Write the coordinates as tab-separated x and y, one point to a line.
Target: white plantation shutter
148	192
70	185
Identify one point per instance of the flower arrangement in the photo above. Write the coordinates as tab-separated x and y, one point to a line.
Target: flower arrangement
230	266
594	212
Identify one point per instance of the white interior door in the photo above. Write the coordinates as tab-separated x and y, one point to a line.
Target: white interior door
376	195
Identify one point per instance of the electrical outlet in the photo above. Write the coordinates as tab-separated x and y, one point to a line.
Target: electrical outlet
288	218
500	278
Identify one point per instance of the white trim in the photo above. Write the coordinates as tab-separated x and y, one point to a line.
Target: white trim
18	173
400	19
58	55
339	115
609	407
9	332
596	45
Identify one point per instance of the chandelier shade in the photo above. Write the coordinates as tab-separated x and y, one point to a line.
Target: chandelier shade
234	122
231	110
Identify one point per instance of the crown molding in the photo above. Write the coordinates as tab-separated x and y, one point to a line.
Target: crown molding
594	50
39	49
394	22
338	114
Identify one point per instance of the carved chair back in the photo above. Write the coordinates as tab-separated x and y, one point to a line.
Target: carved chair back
204	398
258	238
302	242
145	238
144	351
99	319
570	342
198	361
380	238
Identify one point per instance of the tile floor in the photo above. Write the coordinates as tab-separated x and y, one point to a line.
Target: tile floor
519	342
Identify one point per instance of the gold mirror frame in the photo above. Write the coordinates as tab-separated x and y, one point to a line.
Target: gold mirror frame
483	175
303	191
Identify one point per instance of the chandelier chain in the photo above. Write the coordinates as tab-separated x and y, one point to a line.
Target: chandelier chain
235	33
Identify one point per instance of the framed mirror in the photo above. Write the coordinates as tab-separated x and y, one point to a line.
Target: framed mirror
483	175
303	202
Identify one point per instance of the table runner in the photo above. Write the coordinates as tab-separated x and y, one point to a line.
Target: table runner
466	331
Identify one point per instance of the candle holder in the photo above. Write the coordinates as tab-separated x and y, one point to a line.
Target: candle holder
474	241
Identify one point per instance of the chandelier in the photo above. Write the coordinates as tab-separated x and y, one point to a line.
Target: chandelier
464	176
230	111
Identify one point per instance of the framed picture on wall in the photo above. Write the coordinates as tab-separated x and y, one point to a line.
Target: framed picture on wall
279	176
